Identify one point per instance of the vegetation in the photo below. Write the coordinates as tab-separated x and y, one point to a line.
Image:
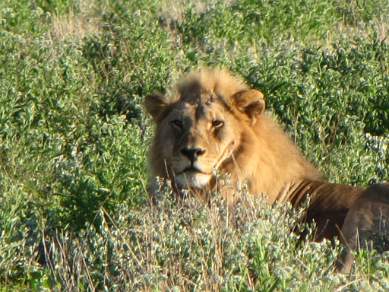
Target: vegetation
74	211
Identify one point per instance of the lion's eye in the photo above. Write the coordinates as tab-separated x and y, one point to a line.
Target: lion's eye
217	123
177	124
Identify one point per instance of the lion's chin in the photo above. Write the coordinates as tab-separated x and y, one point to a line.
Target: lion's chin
193	180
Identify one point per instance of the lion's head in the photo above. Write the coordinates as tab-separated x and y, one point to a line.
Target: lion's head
212	122
201	125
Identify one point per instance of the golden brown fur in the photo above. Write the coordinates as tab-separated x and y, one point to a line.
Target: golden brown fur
212	123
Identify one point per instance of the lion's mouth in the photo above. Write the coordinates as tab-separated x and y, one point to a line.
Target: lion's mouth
192	170
192	177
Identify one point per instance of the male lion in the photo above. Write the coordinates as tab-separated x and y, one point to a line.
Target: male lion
213	122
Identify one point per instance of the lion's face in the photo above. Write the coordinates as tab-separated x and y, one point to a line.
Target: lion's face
199	134
200	130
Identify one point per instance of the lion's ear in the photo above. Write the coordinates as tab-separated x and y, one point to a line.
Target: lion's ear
155	105
251	102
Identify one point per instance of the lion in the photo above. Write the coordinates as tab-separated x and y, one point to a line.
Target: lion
212	123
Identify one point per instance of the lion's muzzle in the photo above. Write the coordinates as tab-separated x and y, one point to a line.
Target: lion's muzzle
192	153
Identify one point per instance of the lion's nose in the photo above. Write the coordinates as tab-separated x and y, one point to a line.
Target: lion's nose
192	153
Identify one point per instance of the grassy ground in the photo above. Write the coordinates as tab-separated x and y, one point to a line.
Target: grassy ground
73	139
